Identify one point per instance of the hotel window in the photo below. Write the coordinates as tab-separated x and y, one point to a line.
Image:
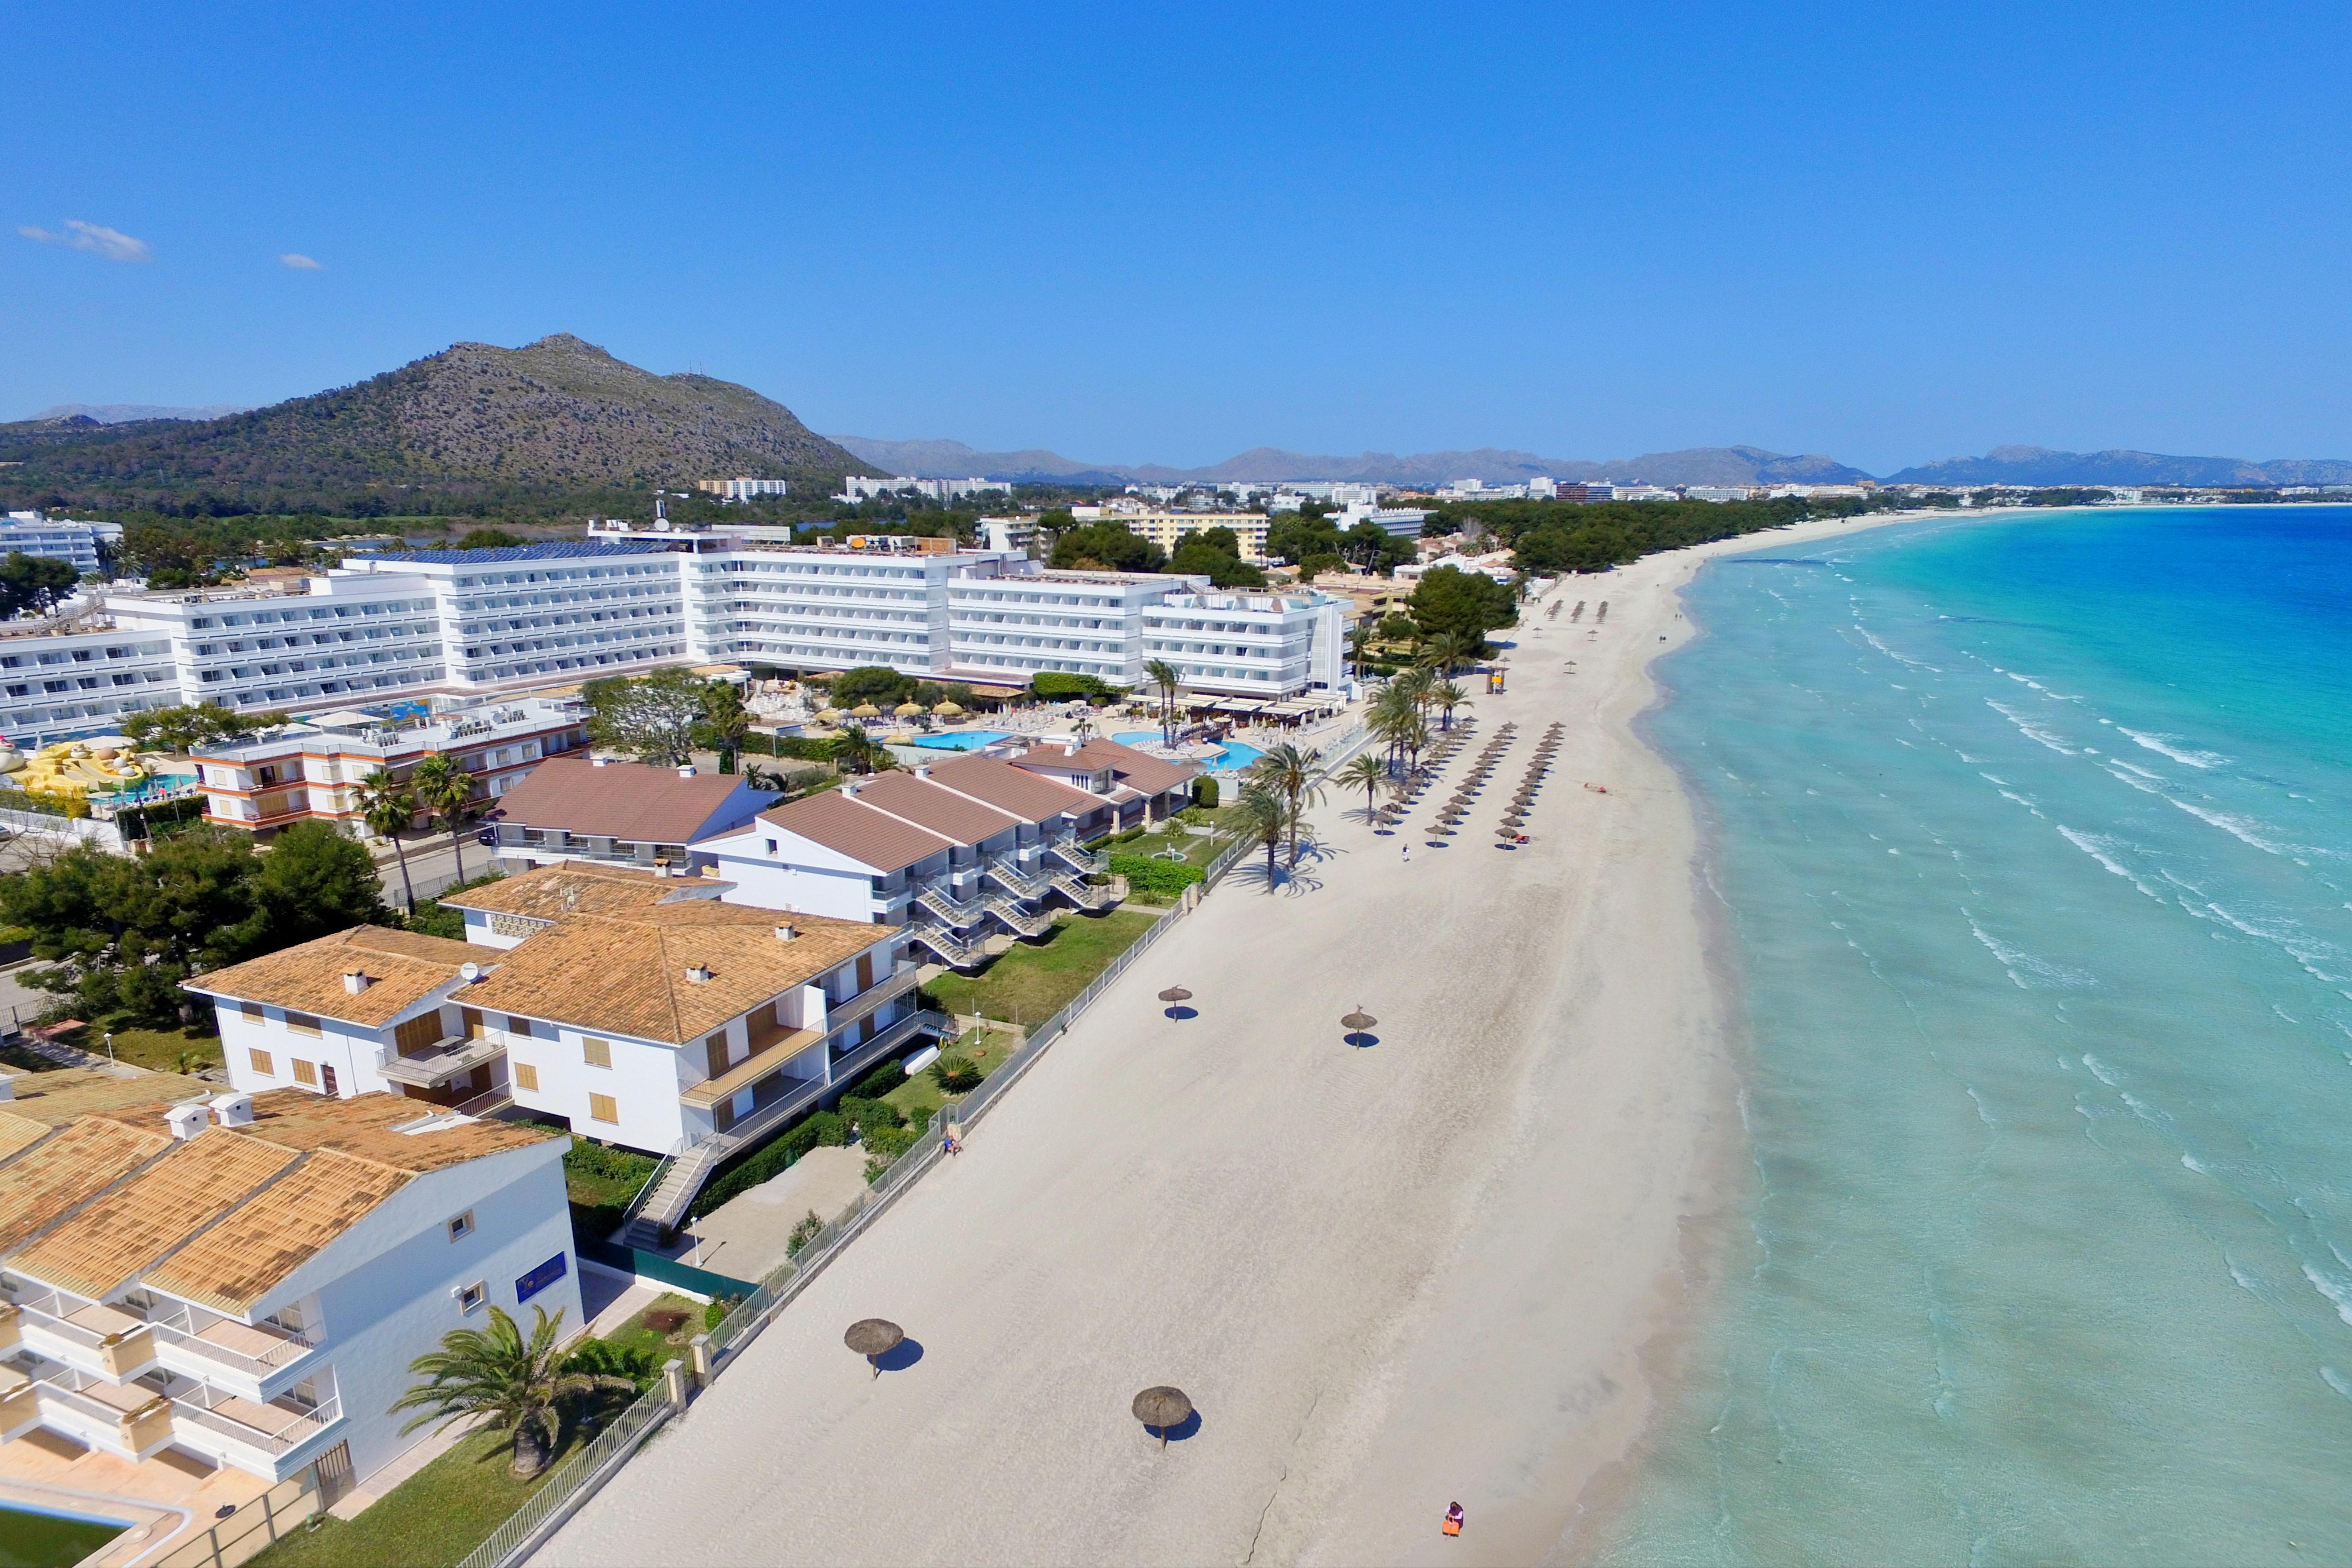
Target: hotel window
462	1226
262	1063
526	1077
596	1053
252	1010
301	1023
472	1296
306	1072
604	1107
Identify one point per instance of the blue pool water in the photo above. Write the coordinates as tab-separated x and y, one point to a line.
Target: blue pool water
2036	843
961	740
1232	757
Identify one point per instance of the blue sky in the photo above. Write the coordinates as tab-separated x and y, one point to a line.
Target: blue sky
1888	232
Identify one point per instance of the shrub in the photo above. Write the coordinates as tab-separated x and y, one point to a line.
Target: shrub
1158	880
868	1115
771	1158
1127	835
1204	792
890	1075
804	1231
956	1074
887	1144
605	1358
1053	686
715	1314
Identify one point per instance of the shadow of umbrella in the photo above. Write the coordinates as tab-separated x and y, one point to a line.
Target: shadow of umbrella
1172	995
873	1338
1355	1022
1161	1408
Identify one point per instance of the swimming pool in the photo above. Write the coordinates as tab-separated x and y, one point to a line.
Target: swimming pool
1232	757
961	740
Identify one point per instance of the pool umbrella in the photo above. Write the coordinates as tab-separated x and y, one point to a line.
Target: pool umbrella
948	710
1507	832
828	716
865	711
1357	1022
1161	1408
873	1338
1174	994
908	711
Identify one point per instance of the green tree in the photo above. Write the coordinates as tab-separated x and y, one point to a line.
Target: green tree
1202	555
1469	604
725	721
182	730
389	809
1289	773
1447	698
314	881
490	539
507	1382
33	582
1107	546
1365	771
882	687
1165	677
654	718
446	790
1261	817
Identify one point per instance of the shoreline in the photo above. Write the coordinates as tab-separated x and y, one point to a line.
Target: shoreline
1456	1263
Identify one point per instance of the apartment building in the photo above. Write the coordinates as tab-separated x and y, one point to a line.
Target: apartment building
243	1282
580	809
293	771
58	538
1250	644
1167	529
81	674
743	489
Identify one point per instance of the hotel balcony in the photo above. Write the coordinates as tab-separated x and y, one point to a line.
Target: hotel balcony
452	1057
273	1439
130	1420
260	1361
90	1337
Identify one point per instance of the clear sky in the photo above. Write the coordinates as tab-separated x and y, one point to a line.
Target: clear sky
1890	232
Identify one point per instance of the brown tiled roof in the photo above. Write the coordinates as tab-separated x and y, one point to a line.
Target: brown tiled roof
943	812
1030	797
230	1267
137	1223
56	1098
868	837
626	973
402	966
574	888
626	800
365	1127
50	1180
1138	770
20	1133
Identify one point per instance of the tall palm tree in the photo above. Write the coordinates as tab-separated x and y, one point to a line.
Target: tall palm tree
446	790
1289	773
1391	712
1448	697
1365	773
389	810
1165	677
725	721
1262	818
510	1382
1445	650
1359	643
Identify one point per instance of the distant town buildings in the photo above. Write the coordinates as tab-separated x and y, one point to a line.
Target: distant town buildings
858	488
1168	530
58	539
742	489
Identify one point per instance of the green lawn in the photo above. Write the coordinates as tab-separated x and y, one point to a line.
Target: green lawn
159	1050
600	1180
430	1520
920	1096
1035	980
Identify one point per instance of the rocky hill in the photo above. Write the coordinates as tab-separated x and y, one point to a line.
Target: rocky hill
558	421
2041	466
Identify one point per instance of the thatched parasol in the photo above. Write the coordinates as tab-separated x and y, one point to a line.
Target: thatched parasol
1357	1022
873	1338
865	711
1172	995
948	710
1163	1407
909	710
828	716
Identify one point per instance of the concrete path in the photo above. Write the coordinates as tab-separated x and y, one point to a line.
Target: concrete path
747	1235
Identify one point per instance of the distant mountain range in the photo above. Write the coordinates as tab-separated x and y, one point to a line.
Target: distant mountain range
2041	466
1419	470
558	423
129	413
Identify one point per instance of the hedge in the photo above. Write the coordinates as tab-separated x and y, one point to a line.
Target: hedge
1204	792
773	1159
1053	686
1160	880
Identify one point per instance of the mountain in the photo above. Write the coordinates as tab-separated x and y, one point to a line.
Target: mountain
129	413
2041	466
1424	470
558	422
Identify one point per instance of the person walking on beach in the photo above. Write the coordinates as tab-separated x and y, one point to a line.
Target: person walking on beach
1408	853
1453	1525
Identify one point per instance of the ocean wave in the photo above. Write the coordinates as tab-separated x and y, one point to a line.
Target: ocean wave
2337	1381
2030	730
2307	950
2135	768
2139	783
2158	744
1872	638
2236	827
2013	959
2096	847
2337	1292
2198	1165
2101	1071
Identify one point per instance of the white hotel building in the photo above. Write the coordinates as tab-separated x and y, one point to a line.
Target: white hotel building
484	622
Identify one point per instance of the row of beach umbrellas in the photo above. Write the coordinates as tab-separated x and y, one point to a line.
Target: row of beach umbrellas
904	711
1158	1407
1531	782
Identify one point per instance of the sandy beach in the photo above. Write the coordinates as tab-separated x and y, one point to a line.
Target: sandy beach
1446	1266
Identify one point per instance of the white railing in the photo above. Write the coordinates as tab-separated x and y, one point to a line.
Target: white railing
184	1329
300	1428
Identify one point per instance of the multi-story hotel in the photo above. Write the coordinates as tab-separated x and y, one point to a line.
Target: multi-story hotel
482	621
1168	529
240	1282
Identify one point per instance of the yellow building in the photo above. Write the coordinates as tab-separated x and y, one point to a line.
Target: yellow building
1167	529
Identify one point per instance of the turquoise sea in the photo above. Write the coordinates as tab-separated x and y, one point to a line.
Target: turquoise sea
2035	839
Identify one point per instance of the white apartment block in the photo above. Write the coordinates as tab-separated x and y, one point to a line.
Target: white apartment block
58	538
243	1281
1250	644
80	677
743	489
858	488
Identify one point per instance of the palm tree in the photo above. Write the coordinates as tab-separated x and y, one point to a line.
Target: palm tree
1448	697
1290	773
447	790
1359	643
493	1373
1262	818
1444	651
388	808
1365	773
1165	677
725	721
1391	713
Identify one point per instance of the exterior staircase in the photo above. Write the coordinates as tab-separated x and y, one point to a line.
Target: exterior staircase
1027	923
953	950
959	913
1078	855
1018	883
1083	893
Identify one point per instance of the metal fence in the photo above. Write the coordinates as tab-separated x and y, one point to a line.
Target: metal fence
226	1542
575	1481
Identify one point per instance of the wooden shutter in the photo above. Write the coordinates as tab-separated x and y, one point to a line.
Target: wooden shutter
865	972
306	1072
526	1077
473	1022
602	1107
262	1063
716	1047
418	1035
596	1053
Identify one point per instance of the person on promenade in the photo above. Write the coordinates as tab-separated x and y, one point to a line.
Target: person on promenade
1408	853
1453	1525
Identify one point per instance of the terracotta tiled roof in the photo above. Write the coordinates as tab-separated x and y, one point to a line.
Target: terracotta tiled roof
366	1128
17	1133
627	973
141	1220
628	801
577	888
943	811
230	1267
50	1180
56	1098
1030	797
863	835
1137	770
402	969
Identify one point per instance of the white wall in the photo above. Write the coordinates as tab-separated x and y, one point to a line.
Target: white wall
352	1050
644	1082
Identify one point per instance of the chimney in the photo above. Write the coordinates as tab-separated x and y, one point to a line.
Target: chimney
598	762
785	933
233	1110
922	770
687	772
187	1121
1069	748
355	980
698	972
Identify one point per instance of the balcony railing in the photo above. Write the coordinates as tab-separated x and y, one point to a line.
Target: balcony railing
781	1049
273	1429
256	1351
451	1057
891	986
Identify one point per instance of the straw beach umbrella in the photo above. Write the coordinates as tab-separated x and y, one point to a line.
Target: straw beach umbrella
828	716
1161	1407
873	1338
1355	1022
865	711
1174	994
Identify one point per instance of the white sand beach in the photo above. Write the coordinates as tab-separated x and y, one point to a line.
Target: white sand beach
1446	1266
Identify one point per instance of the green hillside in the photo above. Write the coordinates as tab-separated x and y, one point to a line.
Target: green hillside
557	423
